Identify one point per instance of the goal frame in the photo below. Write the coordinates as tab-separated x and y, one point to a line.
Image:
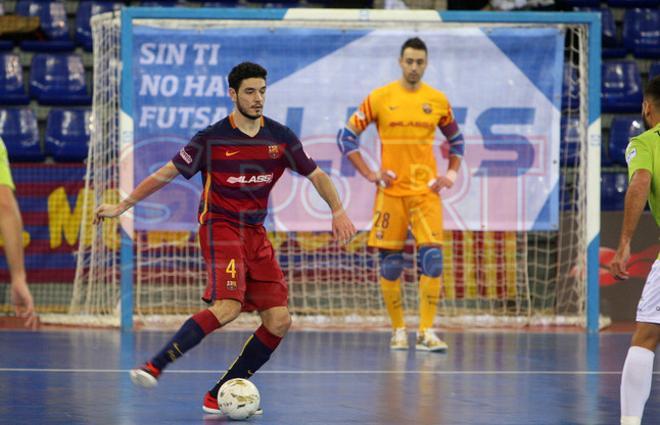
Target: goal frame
593	84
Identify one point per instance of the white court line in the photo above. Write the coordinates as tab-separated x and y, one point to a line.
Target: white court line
341	372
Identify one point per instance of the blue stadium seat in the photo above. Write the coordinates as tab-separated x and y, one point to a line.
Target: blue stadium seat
612	46
18	129
58	79
52	16
654	70
12	89
621	87
609	28
67	134
4	44
605	160
613	191
622	130
569	142
570	92
633	3
620	186
87	9
641	32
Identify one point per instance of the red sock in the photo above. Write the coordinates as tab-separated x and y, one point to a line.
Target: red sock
268	339
207	321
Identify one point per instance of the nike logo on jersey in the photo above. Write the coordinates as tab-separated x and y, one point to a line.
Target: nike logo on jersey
392	108
231	153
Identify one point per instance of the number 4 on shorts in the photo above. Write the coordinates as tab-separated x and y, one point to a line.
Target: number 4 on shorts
231	268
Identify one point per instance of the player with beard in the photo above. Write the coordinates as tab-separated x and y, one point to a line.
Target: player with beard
643	158
239	158
407	113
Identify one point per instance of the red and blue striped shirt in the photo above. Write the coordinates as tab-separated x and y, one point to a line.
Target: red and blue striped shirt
239	171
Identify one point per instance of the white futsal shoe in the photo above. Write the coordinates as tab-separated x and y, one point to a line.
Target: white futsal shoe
427	340
146	376
399	339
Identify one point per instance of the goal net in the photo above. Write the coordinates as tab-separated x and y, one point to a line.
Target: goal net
515	241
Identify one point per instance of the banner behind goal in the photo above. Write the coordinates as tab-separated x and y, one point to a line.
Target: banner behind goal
517	240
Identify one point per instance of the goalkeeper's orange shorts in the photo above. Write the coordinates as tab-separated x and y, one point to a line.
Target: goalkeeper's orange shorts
394	214
241	265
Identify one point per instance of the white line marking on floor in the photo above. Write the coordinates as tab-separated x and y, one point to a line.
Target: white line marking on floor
339	372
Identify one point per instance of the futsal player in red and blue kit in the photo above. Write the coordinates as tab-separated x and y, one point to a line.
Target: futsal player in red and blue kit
240	158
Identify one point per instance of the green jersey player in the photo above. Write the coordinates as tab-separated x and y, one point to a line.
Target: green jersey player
643	158
11	232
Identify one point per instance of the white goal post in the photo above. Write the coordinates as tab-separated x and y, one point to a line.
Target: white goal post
538	270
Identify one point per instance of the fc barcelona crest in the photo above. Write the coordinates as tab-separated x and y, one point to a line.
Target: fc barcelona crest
427	108
274	151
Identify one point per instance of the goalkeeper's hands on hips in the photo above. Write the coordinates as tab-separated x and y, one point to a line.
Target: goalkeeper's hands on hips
382	178
442	182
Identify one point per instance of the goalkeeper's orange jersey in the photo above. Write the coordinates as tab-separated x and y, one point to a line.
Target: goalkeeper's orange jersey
406	122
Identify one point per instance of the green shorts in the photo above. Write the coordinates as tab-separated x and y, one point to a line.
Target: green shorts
5	172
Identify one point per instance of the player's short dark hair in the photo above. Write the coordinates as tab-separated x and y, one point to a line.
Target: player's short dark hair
243	71
652	91
414	43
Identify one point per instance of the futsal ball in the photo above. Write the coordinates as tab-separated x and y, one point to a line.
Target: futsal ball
238	398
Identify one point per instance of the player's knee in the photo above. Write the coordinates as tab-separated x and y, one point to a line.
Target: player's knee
277	323
391	264
226	310
646	335
430	260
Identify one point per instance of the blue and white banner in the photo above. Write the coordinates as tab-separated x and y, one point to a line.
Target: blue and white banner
504	85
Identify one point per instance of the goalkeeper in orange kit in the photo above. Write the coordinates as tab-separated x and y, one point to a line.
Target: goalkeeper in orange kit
407	113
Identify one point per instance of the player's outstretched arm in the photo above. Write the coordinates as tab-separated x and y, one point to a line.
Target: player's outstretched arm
636	197
151	184
11	229
342	227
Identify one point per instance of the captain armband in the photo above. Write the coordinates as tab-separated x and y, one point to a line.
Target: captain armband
457	145
347	141
455	138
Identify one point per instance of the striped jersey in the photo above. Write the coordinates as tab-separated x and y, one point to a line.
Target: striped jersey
407	122
239	171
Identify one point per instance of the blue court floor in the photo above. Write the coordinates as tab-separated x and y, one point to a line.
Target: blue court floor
80	377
